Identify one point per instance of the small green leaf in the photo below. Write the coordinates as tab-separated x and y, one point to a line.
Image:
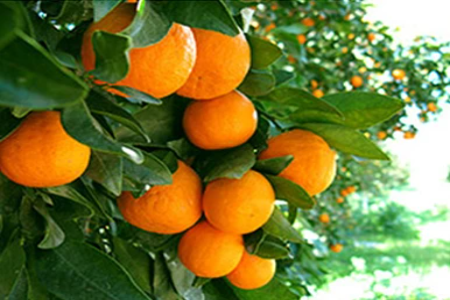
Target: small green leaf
162	283
257	83
273	166
347	140
54	236
291	192
8	124
183	148
106	169
10	22
137	96
264	53
293	29
12	260
218	289
151	172
274	290
102	8
292	213
279	226
69	192
272	248
282	76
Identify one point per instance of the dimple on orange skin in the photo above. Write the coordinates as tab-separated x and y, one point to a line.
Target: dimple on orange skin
224	122
166	209
41	154
252	272
314	164
208	252
159	69
239	205
221	65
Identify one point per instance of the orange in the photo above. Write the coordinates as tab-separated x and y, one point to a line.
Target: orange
340	200
208	252
336	248
407	99
344	50
351	36
371	36
318	93
432	107
351	189
239	205
301	38
166	209
159	69
314	84
224	122
270	27
39	153
314	164
308	22
324	218
252	272
221	65
409	135
398	74
356	81
344	193
347	17
381	135
291	59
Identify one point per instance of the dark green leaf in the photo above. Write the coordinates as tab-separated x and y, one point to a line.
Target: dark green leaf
168	158
69	192
273	166
279	226
10	22
79	271
151	172
200	281
264	53
102	8
282	76
149	241
183	279
106	169
292	213
137	96
183	148
291	192
294	29
54	236
218	289
20	289
272	248
72	12
274	290
162	283
257	83
12	261
346	140
8	124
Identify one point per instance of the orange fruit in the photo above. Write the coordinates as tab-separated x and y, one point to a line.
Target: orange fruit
252	272
166	209
381	135
318	93
208	252
344	50
432	107
224	122
314	84
324	218
314	164
409	135
344	193
351	189
351	36
356	81
347	17
407	99
340	200
159	69
308	22
291	59
221	65
301	38
270	27
398	74
239	205
336	248
39	153
371	36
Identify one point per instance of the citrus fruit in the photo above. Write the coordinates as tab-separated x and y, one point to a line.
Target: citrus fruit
340	200
356	81
208	252
252	272
159	69
221	65
301	38
398	74
318	93
39	153
381	135
308	22
324	218
166	209
432	107
336	248
371	37
314	164
239	205
223	122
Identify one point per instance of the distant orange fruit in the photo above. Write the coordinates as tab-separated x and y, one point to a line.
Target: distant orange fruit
407	99
252	272
398	74
351	36
344	50
39	153
381	135
408	135
291	59
301	38
270	27
318	93
208	252
314	84
351	189
221	65
336	248
176	51
344	193
224	122
356	81
314	164
324	218
340	200
239	205
308	22
347	17
371	36
432	107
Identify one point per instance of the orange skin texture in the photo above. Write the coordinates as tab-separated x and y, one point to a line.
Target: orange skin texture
356	81
166	209
208	252
314	164
224	122
301	38
41	154
336	248
239	205
324	218
252	272
221	65
318	93
398	74
159	69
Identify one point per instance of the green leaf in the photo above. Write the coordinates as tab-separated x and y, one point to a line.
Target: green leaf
272	248
135	95
54	236
183	279
8	124
273	166
274	290
79	124
69	192
293	29
183	148
106	169
282	76
12	261
291	192
211	15
151	172
162	283
78	271
279	226
232	163
111	56
20	289
346	140
150	241
102	8
218	289
10	22
263	53
29	75
257	83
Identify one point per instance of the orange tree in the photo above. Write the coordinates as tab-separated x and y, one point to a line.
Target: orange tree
129	224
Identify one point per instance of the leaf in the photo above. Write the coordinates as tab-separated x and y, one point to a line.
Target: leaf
218	289
274	290
162	283
263	53
20	289
102	8
137	96
183	279
257	83
183	148
12	261
210	15
232	163
54	236
151	172
8	124
79	271
293	29
279	226
69	192
272	248
282	76
79	124
10	22
346	140
29	75
273	166
111	56
106	169
291	192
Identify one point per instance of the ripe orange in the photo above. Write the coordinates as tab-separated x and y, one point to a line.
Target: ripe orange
336	248
344	50
356	81
224	122
208	252
252	272
340	200
41	154
221	65
381	135
166	209
159	69
314	164
270	27
308	22
371	36
344	192
351	36
398	74
239	205
432	107
318	93
409	135
351	189
314	84
301	38
324	218
291	59
407	99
